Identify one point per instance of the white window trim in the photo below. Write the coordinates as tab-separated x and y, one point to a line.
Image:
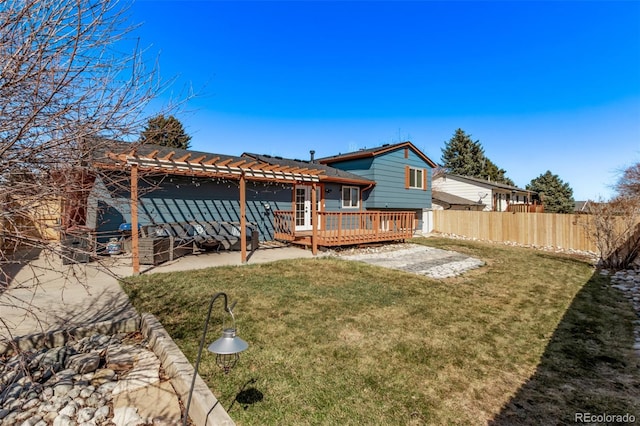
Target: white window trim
419	182
342	200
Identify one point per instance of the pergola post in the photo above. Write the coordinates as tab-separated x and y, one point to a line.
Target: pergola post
314	219
135	251
243	219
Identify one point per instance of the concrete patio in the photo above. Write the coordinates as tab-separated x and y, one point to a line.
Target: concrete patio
44	295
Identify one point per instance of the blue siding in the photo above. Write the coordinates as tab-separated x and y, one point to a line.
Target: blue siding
388	171
361	167
333	198
183	199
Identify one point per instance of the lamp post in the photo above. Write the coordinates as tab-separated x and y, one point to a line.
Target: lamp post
226	347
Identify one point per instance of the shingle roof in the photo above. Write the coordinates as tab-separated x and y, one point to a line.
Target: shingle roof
330	173
372	152
119	147
116	155
453	199
489	183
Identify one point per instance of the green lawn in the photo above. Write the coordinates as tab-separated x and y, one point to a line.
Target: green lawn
531	337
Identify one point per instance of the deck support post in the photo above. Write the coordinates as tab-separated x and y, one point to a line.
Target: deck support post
243	218
135	250
314	219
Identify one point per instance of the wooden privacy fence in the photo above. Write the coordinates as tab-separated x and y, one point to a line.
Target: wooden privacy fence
28	218
536	229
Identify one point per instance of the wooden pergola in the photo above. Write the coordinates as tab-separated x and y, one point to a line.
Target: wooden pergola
208	166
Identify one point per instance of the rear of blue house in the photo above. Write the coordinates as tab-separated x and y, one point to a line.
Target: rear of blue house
403	176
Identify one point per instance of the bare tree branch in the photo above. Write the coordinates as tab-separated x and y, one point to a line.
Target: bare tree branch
67	87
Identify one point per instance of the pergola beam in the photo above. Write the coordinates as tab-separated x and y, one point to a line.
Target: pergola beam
184	158
240	170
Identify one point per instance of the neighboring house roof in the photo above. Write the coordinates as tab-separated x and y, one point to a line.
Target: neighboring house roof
454	200
580	206
373	152
585	206
330	174
484	182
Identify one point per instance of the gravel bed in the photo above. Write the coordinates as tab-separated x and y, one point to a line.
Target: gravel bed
67	385
628	281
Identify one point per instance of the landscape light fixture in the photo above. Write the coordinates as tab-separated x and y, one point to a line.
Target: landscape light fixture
226	348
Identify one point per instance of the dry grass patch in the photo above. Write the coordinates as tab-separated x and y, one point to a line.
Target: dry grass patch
340	342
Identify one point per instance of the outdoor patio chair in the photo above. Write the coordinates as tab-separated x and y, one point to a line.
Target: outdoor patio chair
180	242
205	235
231	233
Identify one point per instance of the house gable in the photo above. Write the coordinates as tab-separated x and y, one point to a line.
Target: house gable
374	152
402	174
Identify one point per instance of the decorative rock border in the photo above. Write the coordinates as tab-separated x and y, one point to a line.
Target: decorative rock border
205	409
628	281
60	337
71	384
75	376
591	256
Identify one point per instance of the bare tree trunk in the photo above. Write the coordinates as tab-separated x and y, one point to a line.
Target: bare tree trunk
614	226
66	91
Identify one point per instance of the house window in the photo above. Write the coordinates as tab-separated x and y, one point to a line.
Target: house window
350	197
415	178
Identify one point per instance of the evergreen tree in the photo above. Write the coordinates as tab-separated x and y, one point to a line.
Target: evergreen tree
495	173
556	195
166	132
462	156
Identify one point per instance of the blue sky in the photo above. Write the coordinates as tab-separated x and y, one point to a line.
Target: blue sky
543	85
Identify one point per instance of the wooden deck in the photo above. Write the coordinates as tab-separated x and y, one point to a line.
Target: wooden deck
347	228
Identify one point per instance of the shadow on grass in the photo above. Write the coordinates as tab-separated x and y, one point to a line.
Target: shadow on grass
247	396
588	366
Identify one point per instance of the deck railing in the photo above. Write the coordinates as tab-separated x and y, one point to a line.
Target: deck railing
525	208
283	223
346	228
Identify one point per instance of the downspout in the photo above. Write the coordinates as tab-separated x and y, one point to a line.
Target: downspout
368	187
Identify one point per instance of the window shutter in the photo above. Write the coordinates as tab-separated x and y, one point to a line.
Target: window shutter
406	177
424	179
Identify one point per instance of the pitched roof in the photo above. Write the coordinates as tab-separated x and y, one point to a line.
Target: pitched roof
487	183
330	174
373	152
108	147
453	199
162	159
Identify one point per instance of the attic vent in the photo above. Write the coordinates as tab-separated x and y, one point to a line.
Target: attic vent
266	155
386	144
277	157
